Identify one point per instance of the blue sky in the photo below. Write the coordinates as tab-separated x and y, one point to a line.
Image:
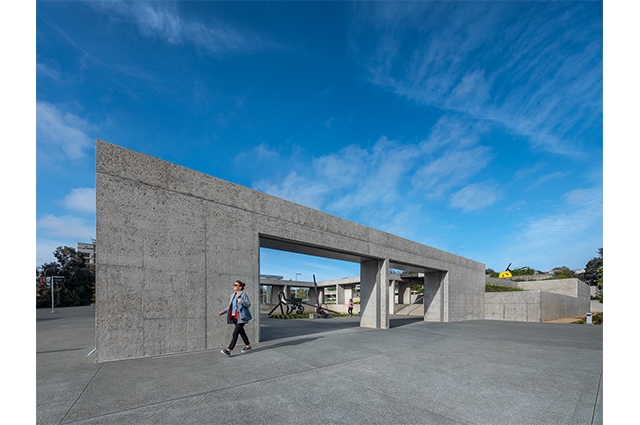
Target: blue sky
472	127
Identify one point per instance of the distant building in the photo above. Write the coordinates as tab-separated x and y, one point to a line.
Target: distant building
87	251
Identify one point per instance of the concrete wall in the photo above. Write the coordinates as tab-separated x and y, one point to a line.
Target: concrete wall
541	301
556	306
171	241
516	306
596	306
572	287
433	297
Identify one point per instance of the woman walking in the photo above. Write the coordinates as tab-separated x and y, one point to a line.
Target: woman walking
350	306
238	314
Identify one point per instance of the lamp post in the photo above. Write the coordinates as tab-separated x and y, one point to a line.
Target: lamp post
52	301
297	276
51	280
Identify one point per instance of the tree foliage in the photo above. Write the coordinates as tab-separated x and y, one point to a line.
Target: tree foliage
76	285
520	271
523	271
417	288
598	295
591	275
563	272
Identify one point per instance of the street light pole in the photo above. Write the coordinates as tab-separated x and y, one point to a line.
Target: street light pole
52	283
297	276
53	279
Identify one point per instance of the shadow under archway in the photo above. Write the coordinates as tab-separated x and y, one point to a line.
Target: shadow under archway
274	329
396	321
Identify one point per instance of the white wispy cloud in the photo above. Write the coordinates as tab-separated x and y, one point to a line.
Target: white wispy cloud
296	188
451	169
45	70
60	131
360	178
527	173
66	230
449	158
82	199
261	154
66	227
538	78
347	181
163	20
376	184
548	177
475	196
328	123
575	226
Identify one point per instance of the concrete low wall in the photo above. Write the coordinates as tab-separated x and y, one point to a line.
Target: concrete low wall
572	287
515	306
556	306
540	301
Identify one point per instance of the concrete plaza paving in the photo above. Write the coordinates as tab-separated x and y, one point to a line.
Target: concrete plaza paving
330	372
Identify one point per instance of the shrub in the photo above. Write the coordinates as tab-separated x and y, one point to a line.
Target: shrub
499	288
523	271
290	316
596	319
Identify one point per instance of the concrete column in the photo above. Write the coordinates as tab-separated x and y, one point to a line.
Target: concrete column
392	296
313	298
369	299
269	294
274	293
433	296
404	293
386	301
340	295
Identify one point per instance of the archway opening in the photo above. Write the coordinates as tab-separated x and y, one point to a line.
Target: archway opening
292	283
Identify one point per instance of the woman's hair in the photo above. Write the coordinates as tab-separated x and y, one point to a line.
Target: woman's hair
241	283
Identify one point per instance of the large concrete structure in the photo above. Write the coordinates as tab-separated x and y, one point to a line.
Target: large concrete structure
539	301
171	241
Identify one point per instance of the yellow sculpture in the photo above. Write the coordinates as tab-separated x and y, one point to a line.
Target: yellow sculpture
505	274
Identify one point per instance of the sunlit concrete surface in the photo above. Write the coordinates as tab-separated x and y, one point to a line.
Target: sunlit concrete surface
330	371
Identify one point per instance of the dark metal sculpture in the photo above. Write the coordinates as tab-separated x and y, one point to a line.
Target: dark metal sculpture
291	305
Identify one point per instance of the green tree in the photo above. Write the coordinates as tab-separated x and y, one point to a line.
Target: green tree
523	271
77	286
563	272
591	275
598	295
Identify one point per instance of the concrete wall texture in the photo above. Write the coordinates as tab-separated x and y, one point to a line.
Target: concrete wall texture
541	300
171	241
